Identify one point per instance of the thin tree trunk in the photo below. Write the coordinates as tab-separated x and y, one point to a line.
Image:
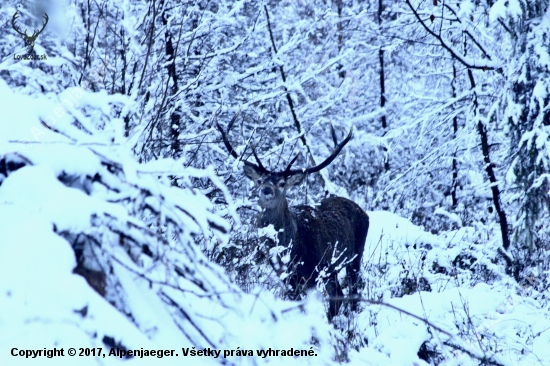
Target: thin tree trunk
482	131
288	97
454	183
382	80
283	76
175	118
339	7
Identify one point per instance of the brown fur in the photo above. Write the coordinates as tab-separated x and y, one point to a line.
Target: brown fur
337	227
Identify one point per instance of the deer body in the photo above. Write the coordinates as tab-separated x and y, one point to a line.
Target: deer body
338	227
322	238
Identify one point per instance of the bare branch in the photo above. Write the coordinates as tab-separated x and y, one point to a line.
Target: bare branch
469	63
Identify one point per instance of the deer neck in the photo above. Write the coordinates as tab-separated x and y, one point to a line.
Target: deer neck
282	219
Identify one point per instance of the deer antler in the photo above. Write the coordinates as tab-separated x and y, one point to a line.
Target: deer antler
287	172
337	148
327	161
260	166
36	33
230	149
290	164
24	34
224	134
13	19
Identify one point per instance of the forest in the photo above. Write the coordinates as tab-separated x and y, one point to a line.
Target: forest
141	142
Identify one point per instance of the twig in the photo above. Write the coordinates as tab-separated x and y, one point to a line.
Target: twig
445	45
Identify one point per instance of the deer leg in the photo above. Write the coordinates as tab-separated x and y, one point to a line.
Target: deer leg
296	286
335	294
353	275
292	292
355	268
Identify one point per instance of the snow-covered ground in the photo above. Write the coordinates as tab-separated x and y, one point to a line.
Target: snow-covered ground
484	320
101	237
45	305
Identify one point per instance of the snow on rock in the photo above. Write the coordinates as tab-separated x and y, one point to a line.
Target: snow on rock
45	305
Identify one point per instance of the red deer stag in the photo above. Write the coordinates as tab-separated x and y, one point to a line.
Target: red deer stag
325	237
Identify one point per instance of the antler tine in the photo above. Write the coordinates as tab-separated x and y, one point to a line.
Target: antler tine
290	164
333	134
328	160
260	166
230	125
224	134
232	151
13	19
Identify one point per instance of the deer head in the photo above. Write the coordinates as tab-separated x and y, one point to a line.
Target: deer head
273	185
29	39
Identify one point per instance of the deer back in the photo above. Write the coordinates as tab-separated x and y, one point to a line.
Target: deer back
337	228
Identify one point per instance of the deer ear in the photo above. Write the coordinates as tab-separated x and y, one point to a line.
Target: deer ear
295	179
250	172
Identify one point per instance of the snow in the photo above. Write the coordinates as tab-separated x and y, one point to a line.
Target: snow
107	235
386	228
37	190
505	8
41	297
45	305
495	311
42	300
466	8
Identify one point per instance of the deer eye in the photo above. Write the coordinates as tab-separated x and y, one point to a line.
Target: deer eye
282	184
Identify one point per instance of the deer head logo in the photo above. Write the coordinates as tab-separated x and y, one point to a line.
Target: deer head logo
29	39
